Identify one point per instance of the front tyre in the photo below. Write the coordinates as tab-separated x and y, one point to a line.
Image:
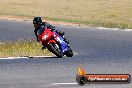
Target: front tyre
52	47
69	53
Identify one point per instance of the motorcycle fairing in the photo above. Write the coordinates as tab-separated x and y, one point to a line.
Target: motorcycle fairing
63	44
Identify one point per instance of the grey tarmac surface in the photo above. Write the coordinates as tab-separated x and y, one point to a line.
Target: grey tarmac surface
99	51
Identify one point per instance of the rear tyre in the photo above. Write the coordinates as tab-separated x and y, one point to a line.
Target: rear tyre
81	80
57	52
69	53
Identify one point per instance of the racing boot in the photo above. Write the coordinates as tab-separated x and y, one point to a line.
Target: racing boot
43	47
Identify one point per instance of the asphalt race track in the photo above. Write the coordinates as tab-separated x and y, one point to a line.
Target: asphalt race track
98	51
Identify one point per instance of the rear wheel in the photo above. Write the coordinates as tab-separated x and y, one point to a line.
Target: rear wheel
69	53
81	80
55	49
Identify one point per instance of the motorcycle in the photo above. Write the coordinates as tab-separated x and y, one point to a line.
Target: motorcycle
54	42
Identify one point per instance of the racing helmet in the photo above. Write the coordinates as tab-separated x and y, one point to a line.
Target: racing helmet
37	20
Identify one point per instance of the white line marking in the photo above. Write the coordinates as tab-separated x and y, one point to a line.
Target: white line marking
13	57
40	56
128	30
24	57
102	28
21	57
114	29
74	83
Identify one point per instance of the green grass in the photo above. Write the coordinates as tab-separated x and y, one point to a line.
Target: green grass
107	13
22	48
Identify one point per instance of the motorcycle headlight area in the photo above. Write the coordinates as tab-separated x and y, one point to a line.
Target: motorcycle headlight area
45	37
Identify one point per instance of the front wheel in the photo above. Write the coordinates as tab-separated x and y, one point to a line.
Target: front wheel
69	53
54	49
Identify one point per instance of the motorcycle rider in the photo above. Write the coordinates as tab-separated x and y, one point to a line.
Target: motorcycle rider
38	24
